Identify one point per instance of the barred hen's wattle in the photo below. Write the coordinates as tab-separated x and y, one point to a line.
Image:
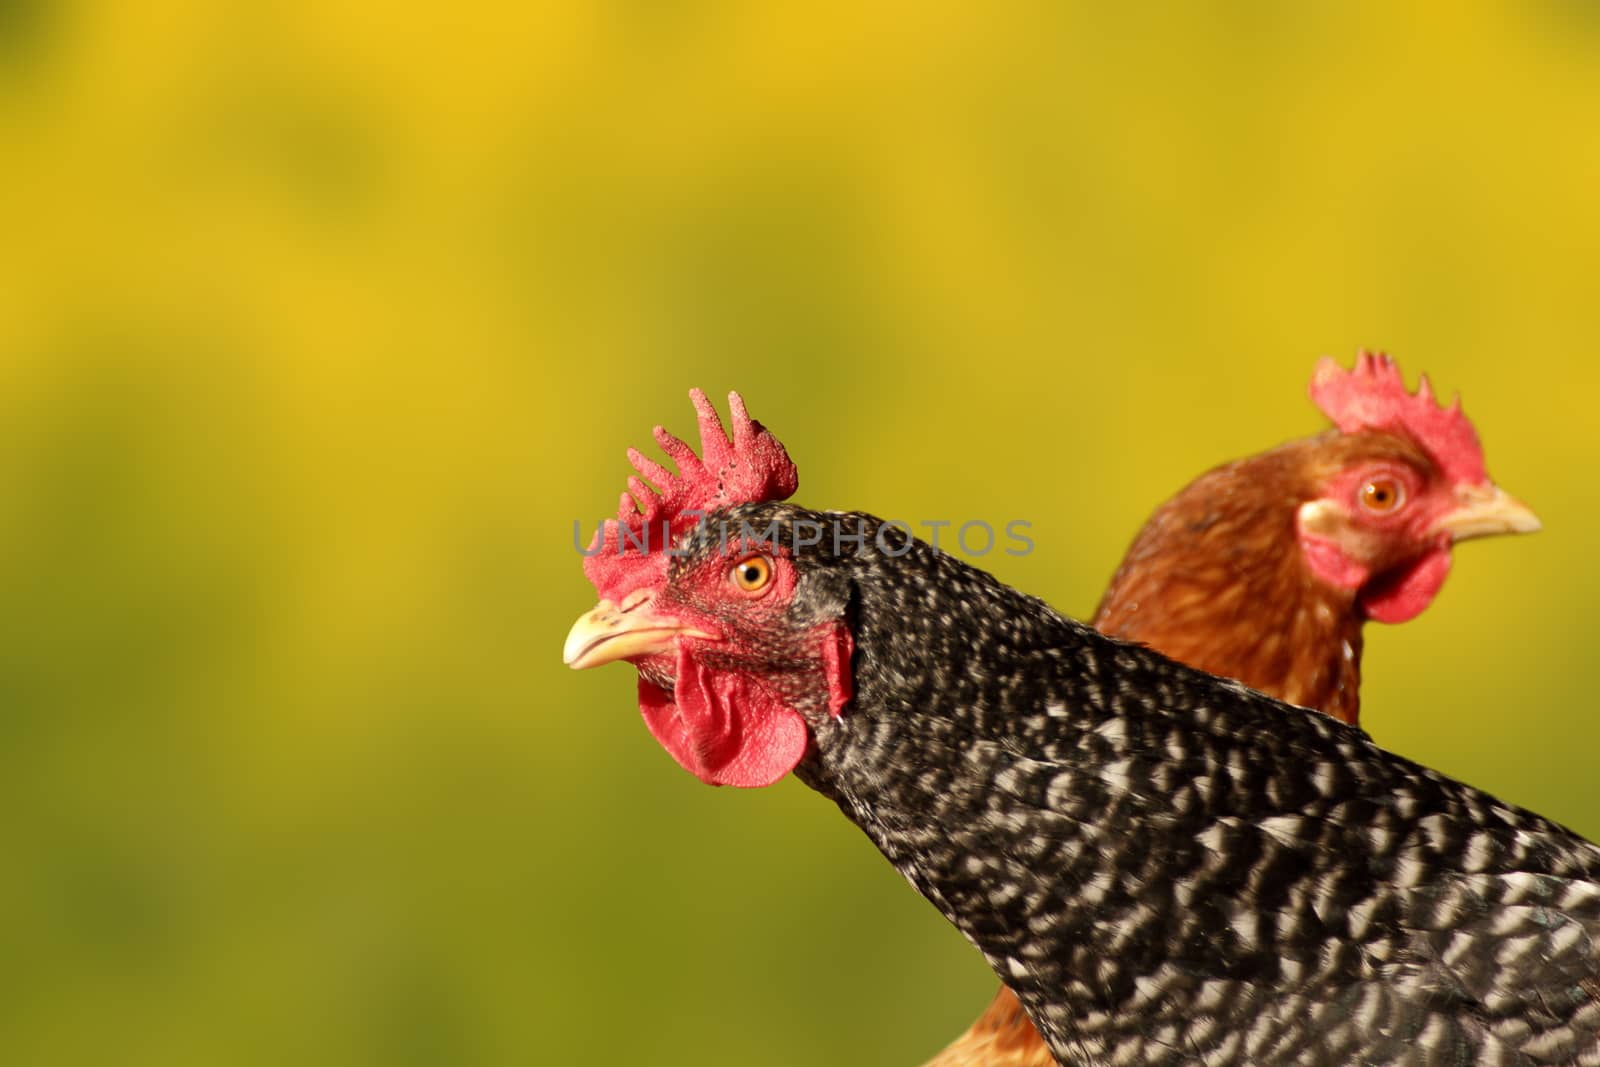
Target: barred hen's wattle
1164	866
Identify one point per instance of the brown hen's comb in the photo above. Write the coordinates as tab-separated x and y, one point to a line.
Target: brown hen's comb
1372	396
750	469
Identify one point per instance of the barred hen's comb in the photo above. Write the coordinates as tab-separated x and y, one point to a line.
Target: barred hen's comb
752	468
1372	396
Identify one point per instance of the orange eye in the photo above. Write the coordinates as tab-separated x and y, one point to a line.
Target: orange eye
1382	495
752	574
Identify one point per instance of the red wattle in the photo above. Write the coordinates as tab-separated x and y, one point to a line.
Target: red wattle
723	727
1404	595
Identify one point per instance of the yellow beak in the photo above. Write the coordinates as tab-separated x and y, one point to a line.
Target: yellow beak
610	633
1485	510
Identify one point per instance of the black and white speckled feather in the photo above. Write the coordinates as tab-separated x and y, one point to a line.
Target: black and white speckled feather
1170	868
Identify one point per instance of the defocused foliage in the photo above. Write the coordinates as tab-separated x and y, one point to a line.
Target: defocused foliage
319	327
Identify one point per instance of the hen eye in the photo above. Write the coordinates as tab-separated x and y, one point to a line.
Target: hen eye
753	574
1382	495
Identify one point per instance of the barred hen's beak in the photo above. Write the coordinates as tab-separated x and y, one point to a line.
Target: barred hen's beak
610	633
1484	510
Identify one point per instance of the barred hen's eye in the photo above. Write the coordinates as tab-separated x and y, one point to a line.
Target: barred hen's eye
1382	495
752	574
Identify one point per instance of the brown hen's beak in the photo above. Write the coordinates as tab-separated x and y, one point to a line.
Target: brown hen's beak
1484	510
611	633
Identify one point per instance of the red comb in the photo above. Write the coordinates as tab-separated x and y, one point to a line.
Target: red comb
753	467
1372	396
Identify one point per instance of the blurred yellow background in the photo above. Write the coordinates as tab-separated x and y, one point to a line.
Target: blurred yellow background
320	326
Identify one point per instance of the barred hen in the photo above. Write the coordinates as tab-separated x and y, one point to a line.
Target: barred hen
1163	865
1233	575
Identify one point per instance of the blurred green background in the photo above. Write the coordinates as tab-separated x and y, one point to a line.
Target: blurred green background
319	326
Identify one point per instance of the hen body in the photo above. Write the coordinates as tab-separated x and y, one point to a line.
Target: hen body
1167	867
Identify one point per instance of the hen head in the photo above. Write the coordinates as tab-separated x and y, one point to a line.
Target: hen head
735	651
1405	483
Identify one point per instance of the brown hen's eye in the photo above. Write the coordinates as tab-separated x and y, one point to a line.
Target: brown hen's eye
1382	495
753	574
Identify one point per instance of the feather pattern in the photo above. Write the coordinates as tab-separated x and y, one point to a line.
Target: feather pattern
1168	867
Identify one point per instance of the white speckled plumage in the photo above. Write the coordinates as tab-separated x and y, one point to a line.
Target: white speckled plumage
1169	868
